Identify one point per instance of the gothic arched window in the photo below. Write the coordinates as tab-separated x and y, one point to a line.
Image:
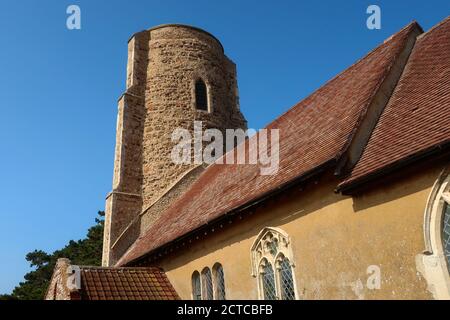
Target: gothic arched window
267	281
201	95
219	282
207	285
286	279
272	249
435	261
442	214
204	287
446	232
196	287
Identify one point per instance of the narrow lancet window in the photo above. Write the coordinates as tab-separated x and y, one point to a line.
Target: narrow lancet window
201	95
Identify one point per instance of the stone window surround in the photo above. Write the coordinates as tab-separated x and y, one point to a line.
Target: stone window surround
432	262
208	93
259	255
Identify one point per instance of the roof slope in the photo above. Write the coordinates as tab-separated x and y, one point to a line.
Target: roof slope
417	117
313	133
98	283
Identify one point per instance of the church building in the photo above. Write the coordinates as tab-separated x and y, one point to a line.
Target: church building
358	208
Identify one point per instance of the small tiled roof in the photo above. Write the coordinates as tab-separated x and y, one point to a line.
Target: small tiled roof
417	118
313	133
99	283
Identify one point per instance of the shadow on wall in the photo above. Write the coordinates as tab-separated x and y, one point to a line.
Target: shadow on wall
301	201
276	212
398	185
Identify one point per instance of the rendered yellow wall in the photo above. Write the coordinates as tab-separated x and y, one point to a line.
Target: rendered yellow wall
334	238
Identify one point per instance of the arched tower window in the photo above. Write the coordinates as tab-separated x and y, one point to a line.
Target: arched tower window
219	282
435	261
207	285
201	95
196	287
272	249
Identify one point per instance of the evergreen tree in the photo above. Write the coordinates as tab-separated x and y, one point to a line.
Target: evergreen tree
87	251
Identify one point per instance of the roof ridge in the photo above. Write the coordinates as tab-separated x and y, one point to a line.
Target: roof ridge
388	72
378	60
120	268
422	62
438	25
317	91
340	74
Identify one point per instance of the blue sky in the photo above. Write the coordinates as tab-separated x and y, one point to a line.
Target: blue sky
59	91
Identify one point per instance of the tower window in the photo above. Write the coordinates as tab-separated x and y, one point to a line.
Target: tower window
201	95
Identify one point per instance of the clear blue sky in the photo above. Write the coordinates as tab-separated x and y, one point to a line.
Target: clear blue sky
59	90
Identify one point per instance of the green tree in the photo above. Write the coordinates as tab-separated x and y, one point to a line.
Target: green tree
87	251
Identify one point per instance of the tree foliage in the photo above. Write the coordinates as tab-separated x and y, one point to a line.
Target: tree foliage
87	251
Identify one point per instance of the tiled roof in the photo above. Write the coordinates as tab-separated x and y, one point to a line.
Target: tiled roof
417	117
98	283
313	133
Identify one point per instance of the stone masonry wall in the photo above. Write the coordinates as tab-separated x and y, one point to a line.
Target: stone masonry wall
57	288
163	66
177	58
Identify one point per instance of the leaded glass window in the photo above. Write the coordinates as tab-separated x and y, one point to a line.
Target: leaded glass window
273	247
219	282
286	280
435	260
207	285
268	282
446	233
272	264
201	95
196	288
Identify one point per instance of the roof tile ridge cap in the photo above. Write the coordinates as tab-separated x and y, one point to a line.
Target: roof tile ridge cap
340	74
436	26
102	267
411	25
351	181
151	269
365	107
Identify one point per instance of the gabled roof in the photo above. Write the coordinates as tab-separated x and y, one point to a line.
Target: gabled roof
416	121
313	134
72	282
100	283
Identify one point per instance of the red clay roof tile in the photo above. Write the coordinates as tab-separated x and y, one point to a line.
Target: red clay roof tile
99	283
417	116
312	133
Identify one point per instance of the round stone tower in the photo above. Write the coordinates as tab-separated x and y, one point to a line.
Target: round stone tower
176	75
